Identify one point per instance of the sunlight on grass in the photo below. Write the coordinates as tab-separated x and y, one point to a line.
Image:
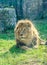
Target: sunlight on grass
5	45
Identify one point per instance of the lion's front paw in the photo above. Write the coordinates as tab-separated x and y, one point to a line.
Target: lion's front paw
36	46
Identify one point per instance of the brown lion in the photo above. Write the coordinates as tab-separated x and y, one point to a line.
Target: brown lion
27	35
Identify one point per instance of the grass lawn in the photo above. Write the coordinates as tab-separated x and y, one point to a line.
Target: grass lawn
10	55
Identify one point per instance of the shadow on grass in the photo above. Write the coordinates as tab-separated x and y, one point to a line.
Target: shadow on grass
16	50
13	50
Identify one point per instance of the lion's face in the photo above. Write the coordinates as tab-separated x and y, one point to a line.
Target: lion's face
23	31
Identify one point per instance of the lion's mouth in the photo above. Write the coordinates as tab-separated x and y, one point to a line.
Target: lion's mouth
22	37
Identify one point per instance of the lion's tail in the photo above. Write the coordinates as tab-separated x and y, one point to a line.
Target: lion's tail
42	42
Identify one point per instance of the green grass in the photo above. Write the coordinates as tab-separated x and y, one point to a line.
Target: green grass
11	55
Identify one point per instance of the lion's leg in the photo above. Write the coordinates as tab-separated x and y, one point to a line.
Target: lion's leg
37	44
20	45
25	47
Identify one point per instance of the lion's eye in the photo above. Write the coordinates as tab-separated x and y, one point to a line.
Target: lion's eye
24	29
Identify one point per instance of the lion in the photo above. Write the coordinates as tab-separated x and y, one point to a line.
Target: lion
27	35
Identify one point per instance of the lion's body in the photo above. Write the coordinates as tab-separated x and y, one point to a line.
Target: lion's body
26	34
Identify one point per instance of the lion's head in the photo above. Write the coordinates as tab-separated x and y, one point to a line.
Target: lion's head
23	30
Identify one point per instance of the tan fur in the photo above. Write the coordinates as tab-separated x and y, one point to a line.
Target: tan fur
26	33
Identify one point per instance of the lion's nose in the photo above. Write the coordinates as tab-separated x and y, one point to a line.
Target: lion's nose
21	34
